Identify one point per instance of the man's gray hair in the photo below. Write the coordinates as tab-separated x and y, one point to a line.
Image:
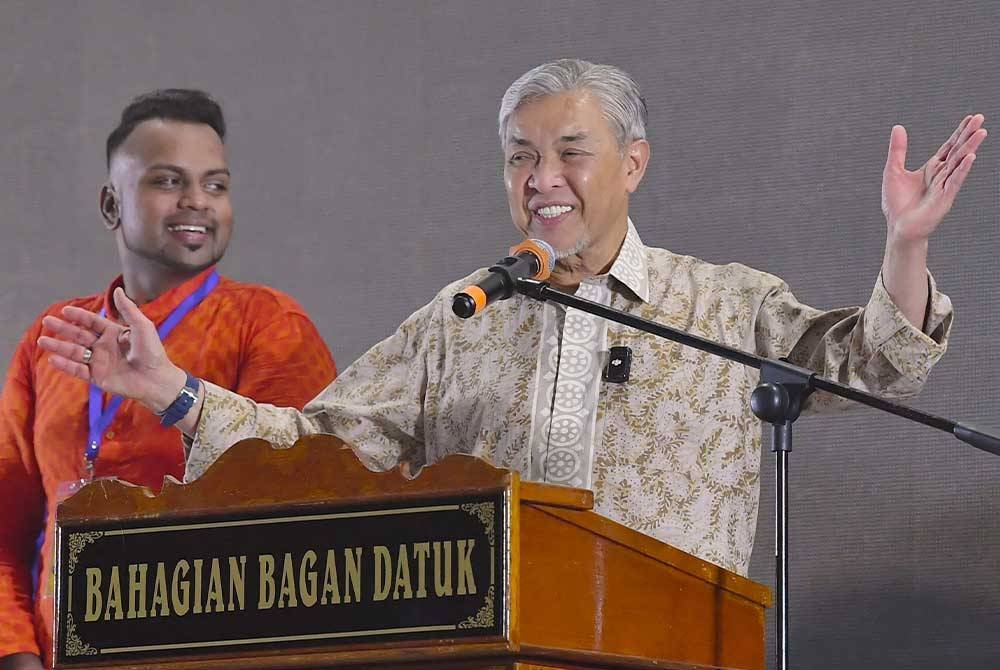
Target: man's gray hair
621	101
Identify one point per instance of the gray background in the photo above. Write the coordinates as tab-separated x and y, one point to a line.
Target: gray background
367	175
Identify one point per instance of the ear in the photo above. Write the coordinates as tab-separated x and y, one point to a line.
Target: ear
636	160
110	207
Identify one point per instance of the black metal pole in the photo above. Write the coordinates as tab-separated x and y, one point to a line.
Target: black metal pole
781	436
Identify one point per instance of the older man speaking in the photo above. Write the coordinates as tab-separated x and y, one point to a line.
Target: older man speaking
673	451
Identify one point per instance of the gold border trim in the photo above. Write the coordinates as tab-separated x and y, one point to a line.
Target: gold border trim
74	645
77	543
485	617
484	511
283	519
265	640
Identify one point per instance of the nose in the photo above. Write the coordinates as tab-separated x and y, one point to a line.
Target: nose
193	197
546	175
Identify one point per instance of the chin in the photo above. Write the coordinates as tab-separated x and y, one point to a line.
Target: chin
565	245
191	265
567	251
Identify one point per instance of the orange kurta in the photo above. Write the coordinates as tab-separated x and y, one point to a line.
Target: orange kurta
248	338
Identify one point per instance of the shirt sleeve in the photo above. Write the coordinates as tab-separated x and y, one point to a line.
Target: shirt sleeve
376	406
286	362
21	521
872	348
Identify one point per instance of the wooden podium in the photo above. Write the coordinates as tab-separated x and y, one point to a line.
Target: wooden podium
302	558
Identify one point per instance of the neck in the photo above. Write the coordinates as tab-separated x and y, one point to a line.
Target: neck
596	259
142	286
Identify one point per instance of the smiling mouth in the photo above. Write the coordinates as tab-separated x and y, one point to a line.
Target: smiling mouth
187	228
552	212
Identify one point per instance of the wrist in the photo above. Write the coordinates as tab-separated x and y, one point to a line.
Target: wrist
904	243
165	391
903	252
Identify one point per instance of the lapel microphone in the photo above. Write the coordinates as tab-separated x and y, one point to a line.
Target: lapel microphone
619	365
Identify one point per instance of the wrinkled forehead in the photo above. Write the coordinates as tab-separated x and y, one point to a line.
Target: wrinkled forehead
555	118
194	146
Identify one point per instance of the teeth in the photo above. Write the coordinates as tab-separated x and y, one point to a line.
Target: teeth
189	229
552	211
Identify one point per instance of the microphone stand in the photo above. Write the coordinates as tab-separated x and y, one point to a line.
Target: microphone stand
777	400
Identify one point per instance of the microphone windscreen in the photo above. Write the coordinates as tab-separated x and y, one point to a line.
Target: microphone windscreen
543	251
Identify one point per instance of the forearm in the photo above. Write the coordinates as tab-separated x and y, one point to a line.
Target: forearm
225	417
904	274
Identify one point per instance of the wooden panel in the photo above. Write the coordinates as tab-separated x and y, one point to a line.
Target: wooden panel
586	592
557	496
616	591
253	475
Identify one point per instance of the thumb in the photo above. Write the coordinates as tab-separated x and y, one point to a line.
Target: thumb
129	311
896	160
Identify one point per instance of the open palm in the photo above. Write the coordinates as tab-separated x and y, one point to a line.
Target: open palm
914	202
125	360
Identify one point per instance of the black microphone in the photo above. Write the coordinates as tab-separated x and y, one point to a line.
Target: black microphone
532	259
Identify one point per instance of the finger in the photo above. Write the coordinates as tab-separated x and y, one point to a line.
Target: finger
968	147
896	160
67	331
974	124
72	353
953	184
935	167
87	320
950	142
130	312
78	370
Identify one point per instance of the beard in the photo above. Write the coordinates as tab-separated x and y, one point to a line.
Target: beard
575	249
164	259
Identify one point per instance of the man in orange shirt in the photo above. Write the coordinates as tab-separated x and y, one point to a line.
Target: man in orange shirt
167	204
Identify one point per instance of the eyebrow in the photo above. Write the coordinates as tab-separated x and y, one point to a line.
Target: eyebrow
179	169
575	137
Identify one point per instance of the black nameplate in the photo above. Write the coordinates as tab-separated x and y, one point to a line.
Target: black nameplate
323	576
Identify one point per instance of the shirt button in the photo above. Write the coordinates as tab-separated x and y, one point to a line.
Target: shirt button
110	435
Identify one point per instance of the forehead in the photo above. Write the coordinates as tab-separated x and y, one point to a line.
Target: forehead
191	145
552	117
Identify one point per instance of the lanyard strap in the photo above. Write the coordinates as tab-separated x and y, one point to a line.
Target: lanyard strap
101	417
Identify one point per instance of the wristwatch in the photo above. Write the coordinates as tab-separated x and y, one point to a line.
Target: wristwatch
182	404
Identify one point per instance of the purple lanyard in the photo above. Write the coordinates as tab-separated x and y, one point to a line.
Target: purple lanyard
101	418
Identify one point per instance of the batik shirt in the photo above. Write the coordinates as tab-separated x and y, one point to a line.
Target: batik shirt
674	452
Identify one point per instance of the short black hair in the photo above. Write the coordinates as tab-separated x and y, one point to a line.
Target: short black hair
174	104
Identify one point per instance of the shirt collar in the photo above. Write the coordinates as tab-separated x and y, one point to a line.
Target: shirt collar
630	267
158	309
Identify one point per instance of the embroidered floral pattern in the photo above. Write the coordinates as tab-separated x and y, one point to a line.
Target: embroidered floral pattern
674	452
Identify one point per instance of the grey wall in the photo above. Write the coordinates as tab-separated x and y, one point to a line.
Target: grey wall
367	175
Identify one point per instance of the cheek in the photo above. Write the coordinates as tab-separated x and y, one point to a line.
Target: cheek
146	212
580	184
516	195
224	212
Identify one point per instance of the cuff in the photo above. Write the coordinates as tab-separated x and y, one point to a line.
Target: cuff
212	436
909	349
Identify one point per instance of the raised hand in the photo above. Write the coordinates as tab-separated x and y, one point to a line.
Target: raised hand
125	360
914	202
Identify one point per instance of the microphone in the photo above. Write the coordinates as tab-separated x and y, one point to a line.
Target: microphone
533	259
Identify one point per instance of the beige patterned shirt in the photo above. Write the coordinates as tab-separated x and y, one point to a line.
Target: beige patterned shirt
674	452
